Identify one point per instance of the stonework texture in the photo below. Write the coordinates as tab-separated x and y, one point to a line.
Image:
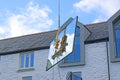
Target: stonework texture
95	68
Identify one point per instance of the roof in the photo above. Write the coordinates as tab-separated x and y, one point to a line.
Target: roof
42	40
26	43
99	31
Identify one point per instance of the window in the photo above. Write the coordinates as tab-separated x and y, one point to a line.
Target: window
26	60
27	78
0	58
117	38
114	37
75	55
74	76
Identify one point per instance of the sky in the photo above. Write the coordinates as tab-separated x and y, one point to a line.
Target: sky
22	17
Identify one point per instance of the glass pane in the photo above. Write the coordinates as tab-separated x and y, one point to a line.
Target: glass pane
27	61
70	58
77	49
118	42
32	60
27	78
21	60
76	76
77	32
75	56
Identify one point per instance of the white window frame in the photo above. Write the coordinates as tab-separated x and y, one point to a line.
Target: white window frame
25	60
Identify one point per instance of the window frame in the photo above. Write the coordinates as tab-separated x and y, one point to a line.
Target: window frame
0	57
115	29
26	77
73	53
29	67
115	19
84	34
71	75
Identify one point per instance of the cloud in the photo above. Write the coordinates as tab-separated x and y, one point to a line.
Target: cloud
2	31
98	19
104	8
31	19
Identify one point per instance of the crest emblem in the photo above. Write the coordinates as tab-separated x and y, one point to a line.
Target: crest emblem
60	46
63	43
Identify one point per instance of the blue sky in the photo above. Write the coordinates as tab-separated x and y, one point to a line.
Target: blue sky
21	17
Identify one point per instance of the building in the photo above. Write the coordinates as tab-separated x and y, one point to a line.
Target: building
25	57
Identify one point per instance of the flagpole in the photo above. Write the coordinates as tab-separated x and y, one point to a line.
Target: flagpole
58	31
58	13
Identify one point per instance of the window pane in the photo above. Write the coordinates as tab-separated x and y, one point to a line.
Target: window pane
27	78
77	49
22	61
32	60
118	42
27	61
77	45
76	76
70	58
77	31
75	56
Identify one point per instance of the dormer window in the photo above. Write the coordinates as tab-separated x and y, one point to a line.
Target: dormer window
75	55
72	53
117	38
114	37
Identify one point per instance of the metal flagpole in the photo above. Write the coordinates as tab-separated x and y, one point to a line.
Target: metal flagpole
58	31
56	39
58	13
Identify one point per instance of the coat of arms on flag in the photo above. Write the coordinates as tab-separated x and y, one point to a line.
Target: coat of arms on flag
63	43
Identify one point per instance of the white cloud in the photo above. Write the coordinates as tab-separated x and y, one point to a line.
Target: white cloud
2	31
98	19
31	19
105	8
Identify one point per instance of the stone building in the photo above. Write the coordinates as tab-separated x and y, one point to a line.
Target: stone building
96	57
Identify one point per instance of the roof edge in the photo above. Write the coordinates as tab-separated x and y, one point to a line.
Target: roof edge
27	35
97	40
25	50
95	23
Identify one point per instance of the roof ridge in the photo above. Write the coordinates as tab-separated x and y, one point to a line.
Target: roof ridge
27	35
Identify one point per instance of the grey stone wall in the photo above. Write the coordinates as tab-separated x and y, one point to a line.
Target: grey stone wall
95	68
